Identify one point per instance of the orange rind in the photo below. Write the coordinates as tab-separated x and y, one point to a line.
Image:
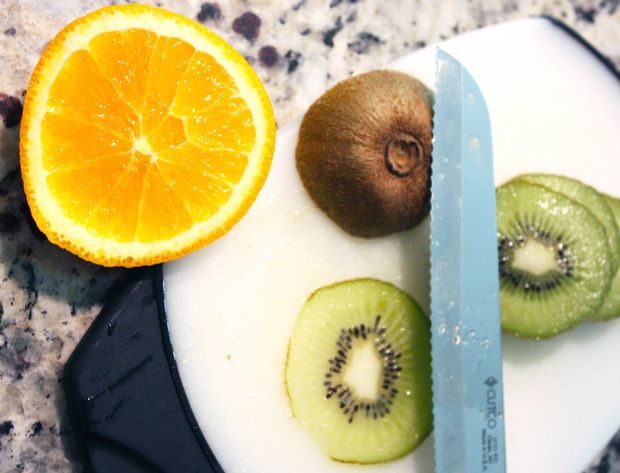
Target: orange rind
144	136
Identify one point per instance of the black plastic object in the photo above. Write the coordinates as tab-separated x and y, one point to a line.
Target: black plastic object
126	403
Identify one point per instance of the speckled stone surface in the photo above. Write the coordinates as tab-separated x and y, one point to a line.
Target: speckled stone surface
48	297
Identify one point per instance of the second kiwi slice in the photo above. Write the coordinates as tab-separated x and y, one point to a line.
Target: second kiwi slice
611	306
589	198
555	260
358	372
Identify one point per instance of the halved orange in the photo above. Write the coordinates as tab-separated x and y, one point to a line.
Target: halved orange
144	136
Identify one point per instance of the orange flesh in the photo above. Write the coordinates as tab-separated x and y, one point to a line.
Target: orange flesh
144	136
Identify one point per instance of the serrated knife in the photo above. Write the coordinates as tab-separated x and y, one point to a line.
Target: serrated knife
465	317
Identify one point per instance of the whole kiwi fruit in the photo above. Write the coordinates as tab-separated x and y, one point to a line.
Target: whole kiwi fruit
364	152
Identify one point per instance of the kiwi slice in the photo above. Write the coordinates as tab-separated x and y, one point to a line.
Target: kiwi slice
589	198
554	258
611	306
364	153
358	372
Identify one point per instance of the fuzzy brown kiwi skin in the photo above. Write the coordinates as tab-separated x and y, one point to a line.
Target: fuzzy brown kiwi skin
364	153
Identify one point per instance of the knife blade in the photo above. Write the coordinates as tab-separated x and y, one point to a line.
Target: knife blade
465	317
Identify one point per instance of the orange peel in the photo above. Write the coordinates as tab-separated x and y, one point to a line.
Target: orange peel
144	136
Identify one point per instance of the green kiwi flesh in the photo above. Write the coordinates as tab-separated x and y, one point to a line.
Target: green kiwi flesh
555	261
589	198
364	153
611	306
358	372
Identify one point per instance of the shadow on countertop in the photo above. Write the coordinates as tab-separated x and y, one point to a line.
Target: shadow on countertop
48	298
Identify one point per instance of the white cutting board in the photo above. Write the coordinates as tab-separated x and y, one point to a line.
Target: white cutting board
554	107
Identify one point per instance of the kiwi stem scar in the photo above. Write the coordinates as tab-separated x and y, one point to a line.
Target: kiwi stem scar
402	154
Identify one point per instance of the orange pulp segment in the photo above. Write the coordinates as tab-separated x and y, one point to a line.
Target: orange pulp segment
144	137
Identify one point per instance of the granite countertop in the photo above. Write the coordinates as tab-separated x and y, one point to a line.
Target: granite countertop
48	297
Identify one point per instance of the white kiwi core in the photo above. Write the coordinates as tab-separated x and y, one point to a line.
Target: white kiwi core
535	258
364	371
